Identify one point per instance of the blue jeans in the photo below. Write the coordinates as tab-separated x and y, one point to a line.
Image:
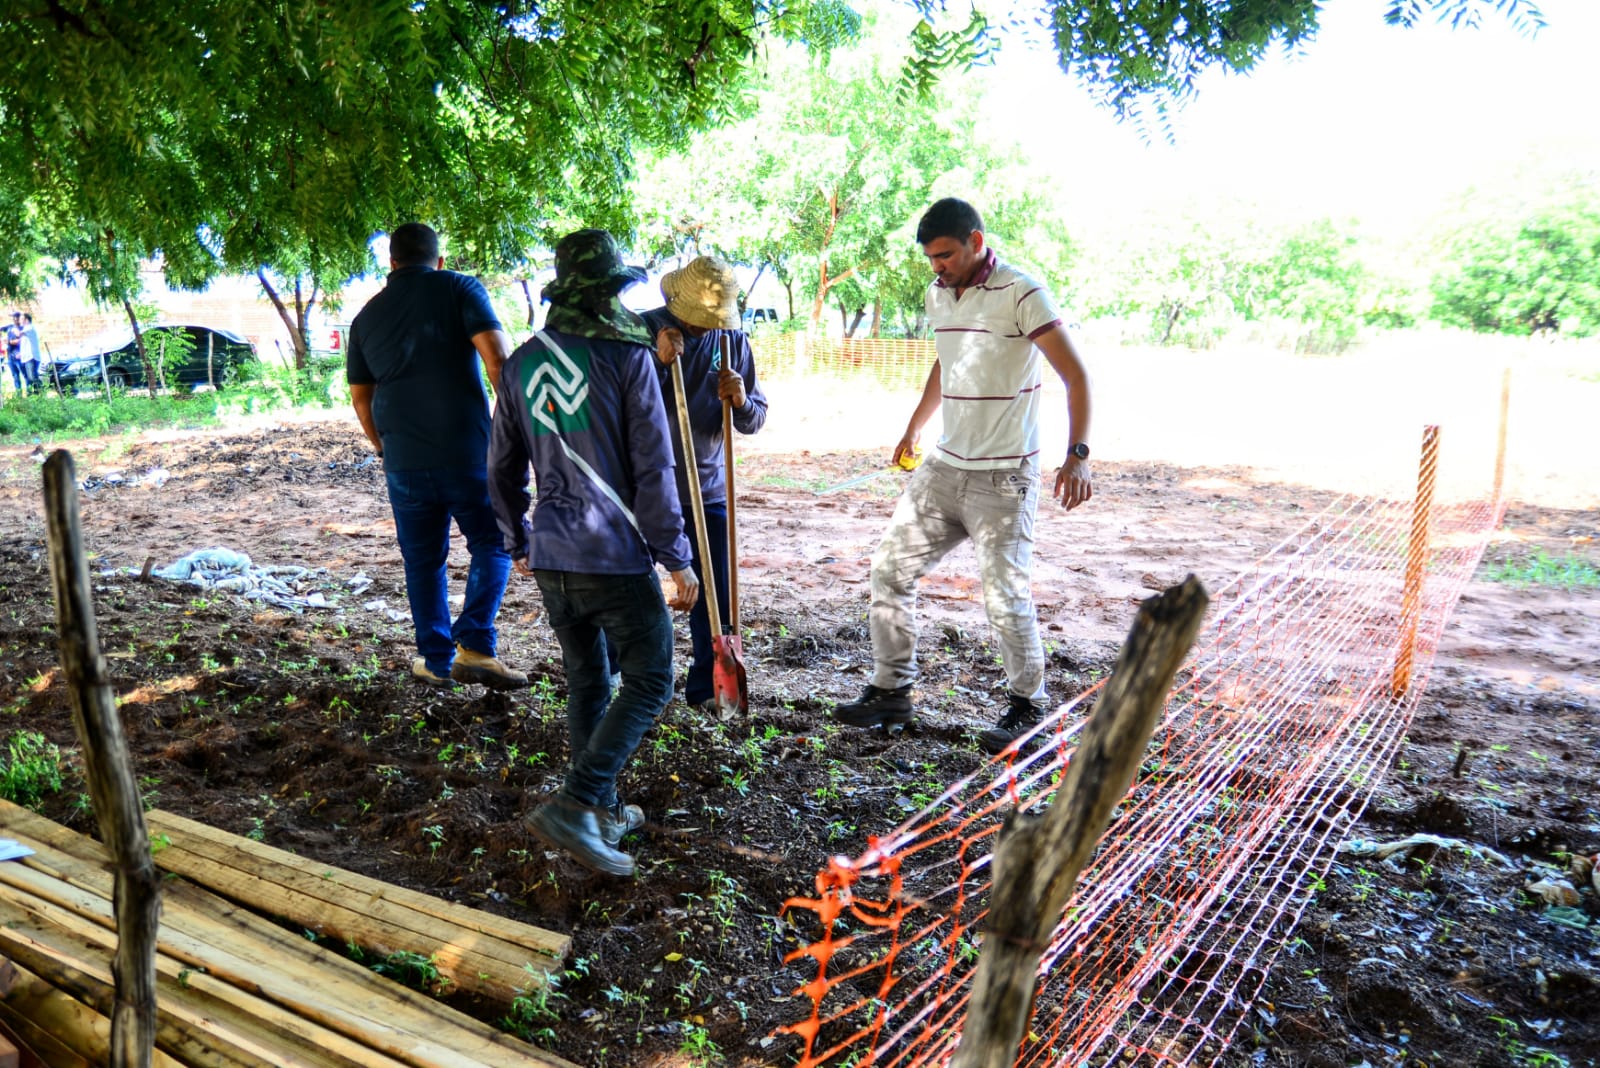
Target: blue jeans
585	611
699	689
19	376
424	502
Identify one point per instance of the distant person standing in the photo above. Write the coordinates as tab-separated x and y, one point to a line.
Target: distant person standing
412	363
19	378
30	352
991	323
580	404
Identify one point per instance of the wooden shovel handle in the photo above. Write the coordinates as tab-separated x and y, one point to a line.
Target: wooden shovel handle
708	579
733	526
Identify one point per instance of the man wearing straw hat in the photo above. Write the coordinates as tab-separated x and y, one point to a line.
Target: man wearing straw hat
579	402
991	324
703	308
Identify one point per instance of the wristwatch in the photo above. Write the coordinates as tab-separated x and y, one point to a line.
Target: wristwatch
1080	450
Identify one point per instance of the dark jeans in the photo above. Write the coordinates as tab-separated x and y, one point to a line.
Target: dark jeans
19	377
698	690
585	611
424	502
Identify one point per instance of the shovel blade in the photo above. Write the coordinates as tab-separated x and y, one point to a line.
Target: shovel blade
728	683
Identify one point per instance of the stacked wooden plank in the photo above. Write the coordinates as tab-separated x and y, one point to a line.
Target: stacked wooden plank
235	989
488	955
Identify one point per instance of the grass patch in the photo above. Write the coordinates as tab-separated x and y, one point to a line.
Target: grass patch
263	388
30	768
790	482
412	969
1568	571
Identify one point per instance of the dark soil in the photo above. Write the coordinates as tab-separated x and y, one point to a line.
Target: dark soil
305	732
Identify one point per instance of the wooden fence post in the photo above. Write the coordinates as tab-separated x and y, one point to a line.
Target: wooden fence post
1038	858
1416	562
112	786
1500	445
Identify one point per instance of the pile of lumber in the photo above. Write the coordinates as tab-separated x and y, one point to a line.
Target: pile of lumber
236	989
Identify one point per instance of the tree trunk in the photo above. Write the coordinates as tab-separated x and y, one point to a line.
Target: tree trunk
109	771
822	295
302	314
877	316
527	298
855	322
788	289
825	283
138	342
744	298
1173	315
283	313
1037	858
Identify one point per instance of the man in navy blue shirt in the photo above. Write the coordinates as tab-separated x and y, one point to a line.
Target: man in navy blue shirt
412	364
579	402
702	309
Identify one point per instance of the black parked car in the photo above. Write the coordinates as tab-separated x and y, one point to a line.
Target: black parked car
199	355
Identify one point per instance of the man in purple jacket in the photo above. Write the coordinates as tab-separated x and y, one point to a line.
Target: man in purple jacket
580	403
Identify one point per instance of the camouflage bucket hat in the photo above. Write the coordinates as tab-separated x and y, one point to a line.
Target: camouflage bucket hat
588	260
703	293
585	298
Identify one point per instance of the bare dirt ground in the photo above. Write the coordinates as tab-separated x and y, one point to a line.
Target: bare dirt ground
302	730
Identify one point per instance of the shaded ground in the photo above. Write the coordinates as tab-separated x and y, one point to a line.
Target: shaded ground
303	731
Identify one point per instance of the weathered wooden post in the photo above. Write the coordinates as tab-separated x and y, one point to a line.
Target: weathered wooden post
1416	562
1500	445
1038	858
112	786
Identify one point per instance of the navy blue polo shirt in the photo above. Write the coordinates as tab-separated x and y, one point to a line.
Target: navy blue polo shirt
413	341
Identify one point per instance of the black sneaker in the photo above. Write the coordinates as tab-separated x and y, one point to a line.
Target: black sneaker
876	707
1020	718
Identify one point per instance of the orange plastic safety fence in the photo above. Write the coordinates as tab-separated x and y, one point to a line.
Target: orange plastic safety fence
892	363
1278	726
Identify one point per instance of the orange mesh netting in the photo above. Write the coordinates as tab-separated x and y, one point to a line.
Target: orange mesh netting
894	363
1290	707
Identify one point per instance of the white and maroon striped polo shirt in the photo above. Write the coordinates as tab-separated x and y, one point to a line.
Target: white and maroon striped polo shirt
990	372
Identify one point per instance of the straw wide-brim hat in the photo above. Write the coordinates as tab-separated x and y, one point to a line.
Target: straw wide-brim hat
703	293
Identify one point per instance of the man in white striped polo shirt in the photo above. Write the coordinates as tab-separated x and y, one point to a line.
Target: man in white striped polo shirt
991	323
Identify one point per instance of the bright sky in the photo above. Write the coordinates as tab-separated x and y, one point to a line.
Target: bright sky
1370	121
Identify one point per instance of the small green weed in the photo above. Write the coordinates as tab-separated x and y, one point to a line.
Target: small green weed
29	769
413	970
1568	571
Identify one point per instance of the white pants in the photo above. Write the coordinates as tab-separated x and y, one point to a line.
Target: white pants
942	507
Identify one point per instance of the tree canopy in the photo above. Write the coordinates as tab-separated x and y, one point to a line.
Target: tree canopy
241	136
1538	274
235	134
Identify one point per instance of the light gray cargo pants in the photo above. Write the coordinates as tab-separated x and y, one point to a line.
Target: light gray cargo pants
942	507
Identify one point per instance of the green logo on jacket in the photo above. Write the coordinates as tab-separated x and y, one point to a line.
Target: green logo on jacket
555	383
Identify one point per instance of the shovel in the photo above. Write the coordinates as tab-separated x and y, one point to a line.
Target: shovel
734	640
724	674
